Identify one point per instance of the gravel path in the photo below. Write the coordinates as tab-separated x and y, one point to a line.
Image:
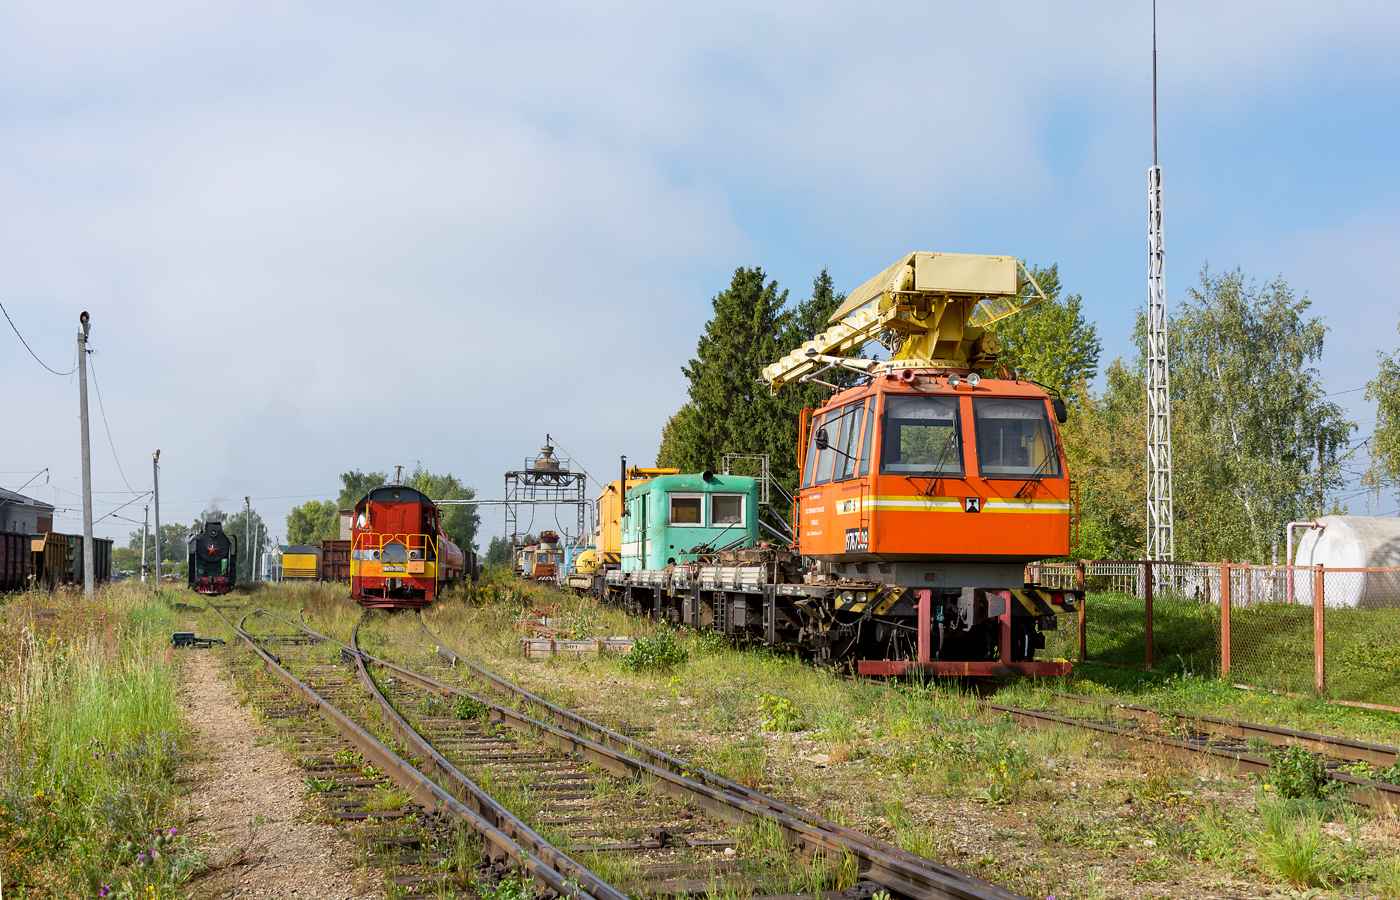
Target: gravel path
246	802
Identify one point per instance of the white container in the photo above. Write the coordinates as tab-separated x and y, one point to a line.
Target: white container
1350	542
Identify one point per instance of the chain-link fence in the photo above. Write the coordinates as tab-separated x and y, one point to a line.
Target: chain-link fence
1328	632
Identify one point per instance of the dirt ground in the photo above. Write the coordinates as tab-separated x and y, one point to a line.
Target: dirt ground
246	808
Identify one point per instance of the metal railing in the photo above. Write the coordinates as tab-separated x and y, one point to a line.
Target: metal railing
1323	632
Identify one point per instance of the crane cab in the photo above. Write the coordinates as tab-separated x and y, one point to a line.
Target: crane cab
927	477
931	489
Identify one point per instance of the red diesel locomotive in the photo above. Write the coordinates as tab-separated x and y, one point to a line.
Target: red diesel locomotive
399	558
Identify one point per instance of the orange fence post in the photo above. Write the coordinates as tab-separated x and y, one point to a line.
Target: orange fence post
1225	619
1079	581
1318	631
1147	595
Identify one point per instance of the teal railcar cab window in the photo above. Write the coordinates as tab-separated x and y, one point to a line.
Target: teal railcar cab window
1014	439
921	436
687	510
727	510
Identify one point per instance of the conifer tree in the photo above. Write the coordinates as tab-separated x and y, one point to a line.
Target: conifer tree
730	411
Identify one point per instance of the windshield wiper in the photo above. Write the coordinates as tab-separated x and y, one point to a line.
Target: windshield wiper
935	474
1040	469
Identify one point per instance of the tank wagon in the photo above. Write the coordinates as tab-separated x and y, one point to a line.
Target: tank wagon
399	557
213	560
925	489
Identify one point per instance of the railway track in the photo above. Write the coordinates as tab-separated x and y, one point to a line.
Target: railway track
1190	736
321	683
888	865
561	782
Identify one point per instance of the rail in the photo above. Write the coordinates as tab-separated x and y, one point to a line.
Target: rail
890	866
419	786
1365	791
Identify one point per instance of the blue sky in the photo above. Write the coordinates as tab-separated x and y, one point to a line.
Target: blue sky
320	236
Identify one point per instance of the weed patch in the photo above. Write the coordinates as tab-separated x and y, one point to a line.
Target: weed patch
660	653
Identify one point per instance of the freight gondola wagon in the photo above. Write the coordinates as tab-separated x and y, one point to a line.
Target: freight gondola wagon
49	560
16	561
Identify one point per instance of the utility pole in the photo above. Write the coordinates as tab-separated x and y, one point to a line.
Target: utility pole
248	533
89	576
1161	518
145	522
155	485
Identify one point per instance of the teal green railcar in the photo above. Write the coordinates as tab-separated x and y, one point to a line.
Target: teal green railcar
673	518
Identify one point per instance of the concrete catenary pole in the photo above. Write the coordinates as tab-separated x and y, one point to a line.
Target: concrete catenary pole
248	533
144	523
155	487
89	576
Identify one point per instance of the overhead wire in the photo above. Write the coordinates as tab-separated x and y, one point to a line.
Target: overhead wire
31	349
105	427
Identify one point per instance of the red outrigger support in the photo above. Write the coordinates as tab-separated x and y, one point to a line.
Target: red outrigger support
930	666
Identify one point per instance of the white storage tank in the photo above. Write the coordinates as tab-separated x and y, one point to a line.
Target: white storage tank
1350	542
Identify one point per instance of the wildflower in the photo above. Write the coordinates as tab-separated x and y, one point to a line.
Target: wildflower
174	831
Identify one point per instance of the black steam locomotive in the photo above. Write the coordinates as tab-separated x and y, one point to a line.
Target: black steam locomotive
213	560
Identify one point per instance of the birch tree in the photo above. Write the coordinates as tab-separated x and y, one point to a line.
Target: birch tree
1384	472
1250	408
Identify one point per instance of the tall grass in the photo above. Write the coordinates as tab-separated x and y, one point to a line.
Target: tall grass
89	741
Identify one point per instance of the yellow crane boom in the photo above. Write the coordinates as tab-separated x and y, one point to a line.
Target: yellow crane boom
941	304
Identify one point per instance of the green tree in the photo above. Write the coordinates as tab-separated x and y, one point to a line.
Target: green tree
1384	471
354	486
127	559
237	526
313	521
459	523
1254	444
803	322
1052	343
496	550
731	412
1251	406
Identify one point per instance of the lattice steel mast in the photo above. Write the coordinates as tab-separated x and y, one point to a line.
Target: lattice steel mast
1161	529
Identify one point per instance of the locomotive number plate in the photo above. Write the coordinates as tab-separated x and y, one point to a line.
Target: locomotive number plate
857	539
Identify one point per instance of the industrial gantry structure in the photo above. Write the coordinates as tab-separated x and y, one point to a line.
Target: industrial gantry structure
545	481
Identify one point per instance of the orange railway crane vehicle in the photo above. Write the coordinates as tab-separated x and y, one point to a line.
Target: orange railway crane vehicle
926	488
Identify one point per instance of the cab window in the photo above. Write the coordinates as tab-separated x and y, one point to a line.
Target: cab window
809	465
687	509
867	445
825	458
921	436
850	442
1014	439
726	510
